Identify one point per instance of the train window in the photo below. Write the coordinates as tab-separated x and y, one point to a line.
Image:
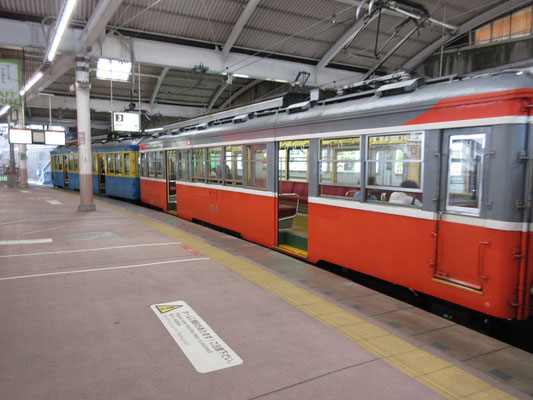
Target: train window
126	163
118	163
184	173
293	160
73	163
394	168
340	167
93	164
214	164
151	164
110	164
159	164
255	162
59	163
198	165
233	165
143	164
465	169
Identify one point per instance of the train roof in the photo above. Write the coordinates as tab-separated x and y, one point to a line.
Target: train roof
397	97
112	145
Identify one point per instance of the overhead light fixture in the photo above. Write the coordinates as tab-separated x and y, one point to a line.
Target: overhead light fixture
4	109
114	70
61	25
154	130
31	82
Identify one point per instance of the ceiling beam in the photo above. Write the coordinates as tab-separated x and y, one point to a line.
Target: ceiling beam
105	9
100	105
158	84
253	67
471	24
239	26
346	38
239	92
216	96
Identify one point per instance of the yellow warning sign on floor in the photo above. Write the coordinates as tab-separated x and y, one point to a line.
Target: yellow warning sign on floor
164	309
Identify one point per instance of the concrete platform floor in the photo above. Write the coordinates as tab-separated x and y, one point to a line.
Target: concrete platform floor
75	296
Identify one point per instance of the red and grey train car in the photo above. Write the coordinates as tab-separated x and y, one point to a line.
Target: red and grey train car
424	184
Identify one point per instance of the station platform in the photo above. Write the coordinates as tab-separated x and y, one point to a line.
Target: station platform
130	303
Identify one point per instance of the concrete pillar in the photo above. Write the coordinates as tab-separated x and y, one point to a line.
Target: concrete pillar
83	88
23	155
12	173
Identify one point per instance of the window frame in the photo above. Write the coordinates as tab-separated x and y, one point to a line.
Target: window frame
248	163
334	161
421	161
476	212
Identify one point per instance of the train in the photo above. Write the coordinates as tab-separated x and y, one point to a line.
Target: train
423	183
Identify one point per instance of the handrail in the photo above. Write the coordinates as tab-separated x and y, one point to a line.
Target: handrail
297	204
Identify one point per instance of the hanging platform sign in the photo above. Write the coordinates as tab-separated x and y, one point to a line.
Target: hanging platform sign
10	83
204	349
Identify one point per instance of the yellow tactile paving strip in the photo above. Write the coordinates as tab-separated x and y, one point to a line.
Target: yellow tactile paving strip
441	376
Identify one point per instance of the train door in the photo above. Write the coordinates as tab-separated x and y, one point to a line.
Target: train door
101	172
293	184
171	181
65	169
460	254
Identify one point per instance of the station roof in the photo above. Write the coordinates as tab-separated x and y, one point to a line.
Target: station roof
267	46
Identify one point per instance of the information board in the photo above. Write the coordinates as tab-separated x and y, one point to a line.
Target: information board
54	138
126	122
20	136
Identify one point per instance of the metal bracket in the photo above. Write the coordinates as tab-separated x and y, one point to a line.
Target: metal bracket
519	204
522	156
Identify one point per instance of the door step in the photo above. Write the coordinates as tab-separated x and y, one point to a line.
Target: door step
292	250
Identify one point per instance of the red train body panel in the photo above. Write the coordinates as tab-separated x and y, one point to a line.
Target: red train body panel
154	193
231	210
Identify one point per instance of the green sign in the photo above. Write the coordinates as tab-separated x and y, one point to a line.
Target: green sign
10	83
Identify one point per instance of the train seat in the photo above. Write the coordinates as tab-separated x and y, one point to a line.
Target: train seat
339	191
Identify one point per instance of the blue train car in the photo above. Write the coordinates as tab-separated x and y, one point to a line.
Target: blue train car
114	169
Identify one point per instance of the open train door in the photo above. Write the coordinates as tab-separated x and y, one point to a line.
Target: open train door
293	186
172	204
100	161
461	251
65	170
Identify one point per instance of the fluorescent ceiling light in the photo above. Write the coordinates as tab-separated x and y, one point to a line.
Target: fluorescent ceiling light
153	130
114	70
4	109
31	82
60	28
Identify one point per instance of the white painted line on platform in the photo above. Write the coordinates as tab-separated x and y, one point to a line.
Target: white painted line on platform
83	250
54	202
102	269
24	191
68	226
202	346
58	219
47	229
27	241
